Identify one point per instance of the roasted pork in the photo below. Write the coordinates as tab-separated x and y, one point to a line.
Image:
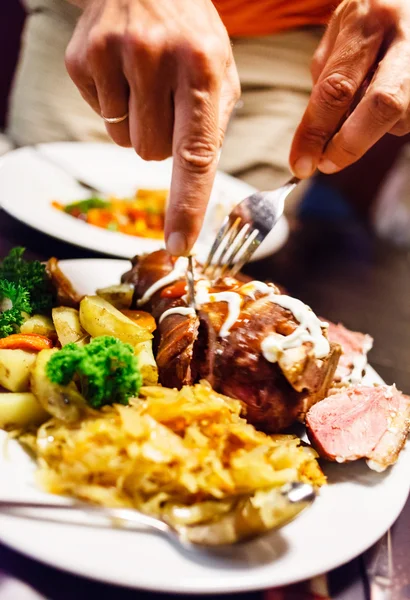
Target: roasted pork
370	422
275	392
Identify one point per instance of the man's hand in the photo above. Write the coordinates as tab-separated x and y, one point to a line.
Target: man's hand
366	48
170	65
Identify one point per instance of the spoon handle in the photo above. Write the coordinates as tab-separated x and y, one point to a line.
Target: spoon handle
125	515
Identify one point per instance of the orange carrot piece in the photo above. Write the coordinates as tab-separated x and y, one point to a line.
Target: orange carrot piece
31	342
141	318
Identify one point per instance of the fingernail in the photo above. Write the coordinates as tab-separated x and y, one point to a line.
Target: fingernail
177	243
303	167
328	167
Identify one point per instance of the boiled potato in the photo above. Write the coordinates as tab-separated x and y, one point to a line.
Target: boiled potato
119	296
15	366
146	363
40	325
67	323
20	410
63	402
98	317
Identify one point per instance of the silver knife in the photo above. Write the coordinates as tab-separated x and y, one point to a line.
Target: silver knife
380	569
191	282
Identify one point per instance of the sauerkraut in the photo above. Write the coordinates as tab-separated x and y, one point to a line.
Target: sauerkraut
166	449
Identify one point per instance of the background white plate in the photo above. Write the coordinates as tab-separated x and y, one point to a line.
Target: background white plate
28	184
352	512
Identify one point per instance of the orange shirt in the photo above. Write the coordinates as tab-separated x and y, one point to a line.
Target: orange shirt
263	17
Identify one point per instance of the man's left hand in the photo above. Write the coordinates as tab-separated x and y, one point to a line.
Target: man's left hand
361	74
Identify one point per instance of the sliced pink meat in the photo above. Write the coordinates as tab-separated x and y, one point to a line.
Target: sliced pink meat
369	422
355	347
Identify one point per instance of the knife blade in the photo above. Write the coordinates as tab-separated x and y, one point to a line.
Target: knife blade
380	569
191	282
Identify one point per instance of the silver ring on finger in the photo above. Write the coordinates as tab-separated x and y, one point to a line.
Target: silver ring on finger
114	120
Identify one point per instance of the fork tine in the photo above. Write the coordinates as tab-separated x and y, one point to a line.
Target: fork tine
250	246
225	237
232	251
248	224
219	236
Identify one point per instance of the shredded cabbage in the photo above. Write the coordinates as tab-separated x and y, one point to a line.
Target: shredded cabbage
185	455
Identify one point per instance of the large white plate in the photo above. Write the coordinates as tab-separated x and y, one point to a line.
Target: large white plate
28	183
351	513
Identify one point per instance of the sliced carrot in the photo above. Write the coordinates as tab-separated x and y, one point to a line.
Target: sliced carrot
26	341
141	318
176	290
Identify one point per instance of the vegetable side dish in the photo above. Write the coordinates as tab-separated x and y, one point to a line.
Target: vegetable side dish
131	398
141	216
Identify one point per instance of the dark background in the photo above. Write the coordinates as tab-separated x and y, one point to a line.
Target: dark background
11	24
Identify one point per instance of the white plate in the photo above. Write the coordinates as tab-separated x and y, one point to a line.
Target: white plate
351	513
28	184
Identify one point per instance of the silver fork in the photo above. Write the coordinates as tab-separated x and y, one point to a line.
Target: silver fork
244	229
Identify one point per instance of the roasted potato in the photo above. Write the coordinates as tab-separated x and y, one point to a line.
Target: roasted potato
40	325
119	296
98	317
20	410
146	363
63	402
15	366
67	324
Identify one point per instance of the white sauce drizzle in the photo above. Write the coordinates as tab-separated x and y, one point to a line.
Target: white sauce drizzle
249	289
309	330
178	310
234	302
178	272
359	364
233	299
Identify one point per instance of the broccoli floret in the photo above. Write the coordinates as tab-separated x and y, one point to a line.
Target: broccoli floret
14	302
29	274
106	370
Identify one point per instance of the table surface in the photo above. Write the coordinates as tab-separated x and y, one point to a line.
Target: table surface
346	275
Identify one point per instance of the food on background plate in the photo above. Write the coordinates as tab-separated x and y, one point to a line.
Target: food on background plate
248	340
360	421
142	216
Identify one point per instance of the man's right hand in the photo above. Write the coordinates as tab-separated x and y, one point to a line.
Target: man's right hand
169	64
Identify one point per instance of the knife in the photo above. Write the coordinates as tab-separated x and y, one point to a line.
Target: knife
191	282
380	569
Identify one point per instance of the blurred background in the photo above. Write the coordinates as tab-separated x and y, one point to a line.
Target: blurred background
11	26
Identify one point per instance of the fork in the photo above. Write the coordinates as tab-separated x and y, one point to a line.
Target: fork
244	229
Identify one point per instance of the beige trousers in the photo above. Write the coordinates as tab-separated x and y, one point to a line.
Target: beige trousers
274	73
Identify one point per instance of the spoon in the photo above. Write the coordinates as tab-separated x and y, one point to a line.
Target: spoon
243	523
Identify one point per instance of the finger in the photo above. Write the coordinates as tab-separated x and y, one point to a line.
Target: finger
353	56
324	49
384	105
230	94
150	104
195	152
113	94
402	127
78	71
